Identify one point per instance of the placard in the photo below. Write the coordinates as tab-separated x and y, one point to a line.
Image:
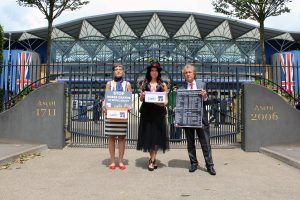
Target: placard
189	108
116	99
155	97
117	113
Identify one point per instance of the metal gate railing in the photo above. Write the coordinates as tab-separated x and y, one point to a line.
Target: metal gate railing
85	81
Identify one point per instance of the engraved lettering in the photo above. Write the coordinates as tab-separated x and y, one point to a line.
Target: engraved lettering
45	108
51	112
253	117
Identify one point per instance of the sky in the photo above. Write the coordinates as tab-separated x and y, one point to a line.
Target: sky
16	18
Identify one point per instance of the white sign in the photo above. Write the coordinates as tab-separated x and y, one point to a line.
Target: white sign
117	113
155	97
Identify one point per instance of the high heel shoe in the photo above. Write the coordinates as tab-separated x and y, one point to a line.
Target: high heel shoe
112	166
122	166
154	164
151	164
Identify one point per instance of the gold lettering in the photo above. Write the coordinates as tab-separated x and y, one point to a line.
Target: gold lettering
264	116
274	116
46	103
253	117
51	112
263	107
39	103
43	112
52	103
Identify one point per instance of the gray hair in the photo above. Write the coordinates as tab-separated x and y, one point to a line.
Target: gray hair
189	66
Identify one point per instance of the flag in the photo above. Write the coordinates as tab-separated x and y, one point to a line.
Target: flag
287	66
24	62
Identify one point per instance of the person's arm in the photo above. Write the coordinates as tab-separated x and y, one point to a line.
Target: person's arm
129	89
142	96
204	92
142	93
165	88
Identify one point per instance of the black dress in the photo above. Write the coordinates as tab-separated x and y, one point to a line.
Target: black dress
153	131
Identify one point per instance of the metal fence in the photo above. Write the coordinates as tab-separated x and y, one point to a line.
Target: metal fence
85	80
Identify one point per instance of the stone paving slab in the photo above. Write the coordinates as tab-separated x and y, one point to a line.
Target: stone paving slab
82	173
289	154
9	152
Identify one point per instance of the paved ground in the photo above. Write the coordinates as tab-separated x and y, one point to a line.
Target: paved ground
82	173
289	154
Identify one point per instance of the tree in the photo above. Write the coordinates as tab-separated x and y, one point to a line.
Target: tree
52	9
257	10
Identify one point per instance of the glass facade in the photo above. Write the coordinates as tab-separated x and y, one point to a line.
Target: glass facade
167	36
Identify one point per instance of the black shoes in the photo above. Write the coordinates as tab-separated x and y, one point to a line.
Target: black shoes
211	170
193	167
152	165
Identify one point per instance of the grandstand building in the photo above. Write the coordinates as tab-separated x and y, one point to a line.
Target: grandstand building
177	37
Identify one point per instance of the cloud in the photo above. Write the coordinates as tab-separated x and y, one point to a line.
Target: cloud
16	18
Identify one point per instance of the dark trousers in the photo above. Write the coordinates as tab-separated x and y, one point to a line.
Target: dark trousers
204	138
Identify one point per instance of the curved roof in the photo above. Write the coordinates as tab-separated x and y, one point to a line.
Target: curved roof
168	25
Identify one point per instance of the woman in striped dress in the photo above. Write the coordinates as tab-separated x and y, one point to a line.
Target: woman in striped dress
116	128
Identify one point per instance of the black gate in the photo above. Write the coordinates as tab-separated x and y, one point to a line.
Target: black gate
86	82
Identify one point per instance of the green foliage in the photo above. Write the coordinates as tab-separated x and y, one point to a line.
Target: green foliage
257	10
288	96
52	9
152	60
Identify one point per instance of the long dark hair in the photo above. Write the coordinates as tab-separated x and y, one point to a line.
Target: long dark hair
148	76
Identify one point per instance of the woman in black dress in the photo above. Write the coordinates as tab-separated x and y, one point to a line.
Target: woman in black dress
153	131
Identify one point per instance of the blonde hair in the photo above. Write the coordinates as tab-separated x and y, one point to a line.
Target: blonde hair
189	66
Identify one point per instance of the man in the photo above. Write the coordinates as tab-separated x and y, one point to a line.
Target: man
214	104
223	110
203	133
96	109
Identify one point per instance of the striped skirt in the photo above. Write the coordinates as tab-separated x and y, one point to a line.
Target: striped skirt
115	127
